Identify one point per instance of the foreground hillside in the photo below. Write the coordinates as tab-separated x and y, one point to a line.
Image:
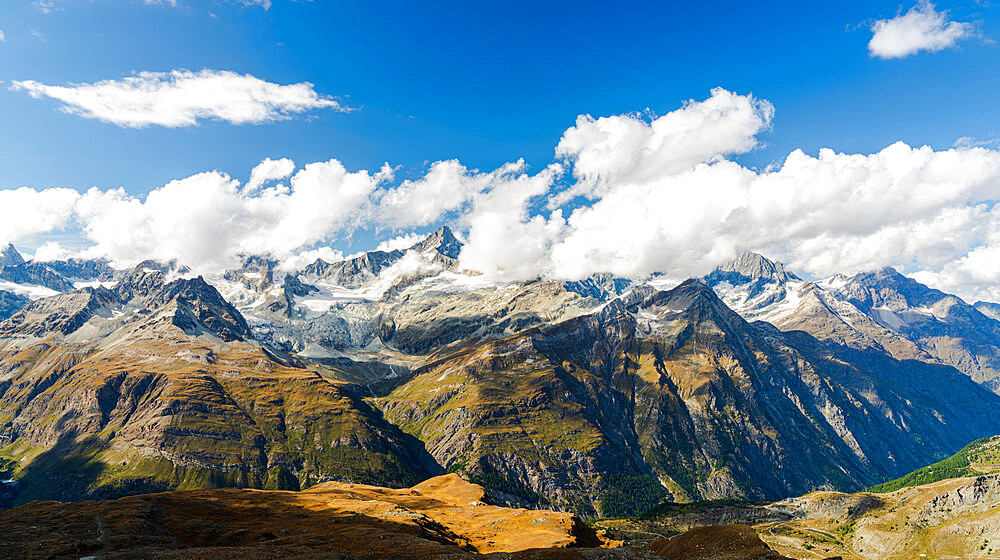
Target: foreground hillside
443	517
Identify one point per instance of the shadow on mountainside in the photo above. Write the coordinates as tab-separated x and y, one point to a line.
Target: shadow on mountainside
939	388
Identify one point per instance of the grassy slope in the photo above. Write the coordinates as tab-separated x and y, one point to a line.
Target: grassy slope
980	456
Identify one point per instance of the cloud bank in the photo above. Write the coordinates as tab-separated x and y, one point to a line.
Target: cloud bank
182	98
922	28
629	194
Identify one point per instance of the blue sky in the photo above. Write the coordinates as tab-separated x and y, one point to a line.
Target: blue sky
489	84
483	84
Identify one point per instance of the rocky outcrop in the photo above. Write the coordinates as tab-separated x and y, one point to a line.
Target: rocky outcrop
716	542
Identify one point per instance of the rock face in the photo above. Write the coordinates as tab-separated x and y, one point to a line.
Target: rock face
442	517
352	273
603	287
10	303
35	274
671	394
441	247
881	310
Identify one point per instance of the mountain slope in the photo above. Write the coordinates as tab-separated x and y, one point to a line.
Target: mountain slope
673	394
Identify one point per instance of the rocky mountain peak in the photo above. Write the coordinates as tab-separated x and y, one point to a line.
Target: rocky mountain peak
200	304
692	294
886	286
10	256
443	240
140	281
749	266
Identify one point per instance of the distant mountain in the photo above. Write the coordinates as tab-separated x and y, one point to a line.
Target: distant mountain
881	309
441	247
991	310
442	241
35	274
603	287
85	269
10	256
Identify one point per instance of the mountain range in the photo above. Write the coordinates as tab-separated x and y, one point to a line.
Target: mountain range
603	396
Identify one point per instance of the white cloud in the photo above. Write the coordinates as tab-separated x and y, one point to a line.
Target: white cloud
51	251
46	6
206	220
400	242
183	98
922	28
25	212
300	260
504	239
3	38
448	186
269	170
627	149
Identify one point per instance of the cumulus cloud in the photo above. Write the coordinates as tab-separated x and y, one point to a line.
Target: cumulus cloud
3	38
207	220
447	187
25	212
400	242
922	28
51	251
629	149
270	170
183	98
